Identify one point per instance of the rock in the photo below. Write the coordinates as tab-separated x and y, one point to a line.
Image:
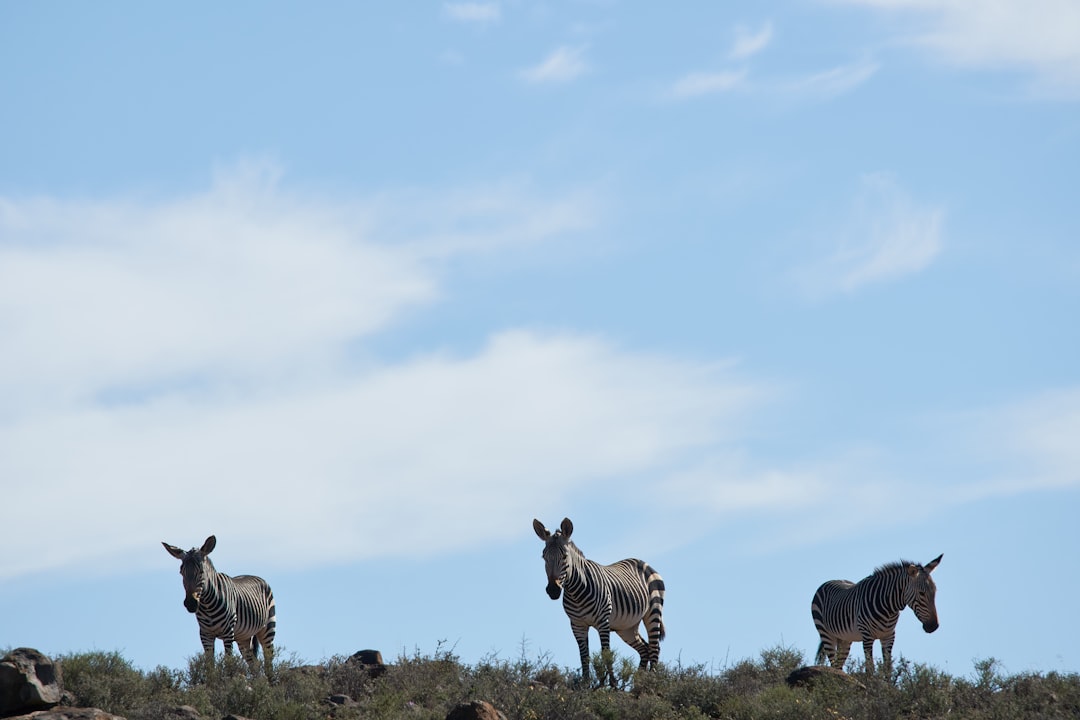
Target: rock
62	712
29	681
810	674
341	700
371	660
479	710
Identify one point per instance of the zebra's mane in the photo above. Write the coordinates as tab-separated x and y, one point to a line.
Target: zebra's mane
574	548
889	568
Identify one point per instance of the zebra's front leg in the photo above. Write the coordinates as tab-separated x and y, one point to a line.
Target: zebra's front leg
868	649
581	634
607	660
886	652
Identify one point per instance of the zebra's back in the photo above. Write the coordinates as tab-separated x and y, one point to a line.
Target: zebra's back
245	602
835	610
626	584
255	606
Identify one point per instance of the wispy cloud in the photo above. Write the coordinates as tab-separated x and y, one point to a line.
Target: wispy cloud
1026	446
565	63
749	43
698	84
473	12
822	85
218	346
886	237
834	81
1039	36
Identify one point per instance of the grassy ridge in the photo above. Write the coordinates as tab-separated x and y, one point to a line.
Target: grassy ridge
427	687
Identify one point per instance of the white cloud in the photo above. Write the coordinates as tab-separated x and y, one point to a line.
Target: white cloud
562	65
748	43
179	369
697	84
474	12
834	81
1038	36
1026	446
887	237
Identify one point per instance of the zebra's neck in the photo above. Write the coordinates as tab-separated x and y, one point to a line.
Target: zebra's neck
577	576
889	589
215	585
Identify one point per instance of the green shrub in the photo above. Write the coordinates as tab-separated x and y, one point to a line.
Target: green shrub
424	687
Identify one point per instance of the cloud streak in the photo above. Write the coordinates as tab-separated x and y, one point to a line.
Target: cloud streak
887	237
473	12
1041	37
749	43
705	83
562	65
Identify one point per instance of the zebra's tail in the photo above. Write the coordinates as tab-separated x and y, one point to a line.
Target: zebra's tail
655	583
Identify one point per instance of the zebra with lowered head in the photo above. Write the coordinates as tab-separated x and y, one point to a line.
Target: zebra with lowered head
615	597
868	610
237	608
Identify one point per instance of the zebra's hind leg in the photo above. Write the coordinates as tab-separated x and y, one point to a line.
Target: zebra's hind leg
266	639
249	650
839	655
633	638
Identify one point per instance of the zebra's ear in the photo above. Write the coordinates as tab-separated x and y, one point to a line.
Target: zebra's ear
934	563
209	545
174	551
541	531
567	527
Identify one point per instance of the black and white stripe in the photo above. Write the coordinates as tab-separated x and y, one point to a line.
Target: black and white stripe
868	610
237	608
615	597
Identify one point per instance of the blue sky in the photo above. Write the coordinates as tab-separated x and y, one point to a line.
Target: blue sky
766	294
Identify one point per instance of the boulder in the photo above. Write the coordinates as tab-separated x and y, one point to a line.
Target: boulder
29	681
477	710
811	674
68	713
371	660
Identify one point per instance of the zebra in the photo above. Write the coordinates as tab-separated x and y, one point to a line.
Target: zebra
237	608
868	610
615	597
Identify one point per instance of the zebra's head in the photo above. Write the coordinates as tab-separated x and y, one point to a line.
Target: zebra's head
195	569
557	549
920	593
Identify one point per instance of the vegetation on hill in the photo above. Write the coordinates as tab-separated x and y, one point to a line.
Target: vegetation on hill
429	686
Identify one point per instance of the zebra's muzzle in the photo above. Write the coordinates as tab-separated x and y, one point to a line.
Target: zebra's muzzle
930	626
553	590
191	604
